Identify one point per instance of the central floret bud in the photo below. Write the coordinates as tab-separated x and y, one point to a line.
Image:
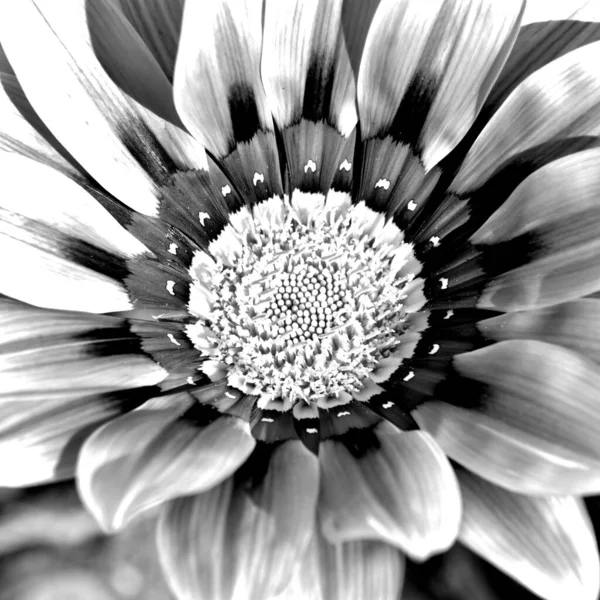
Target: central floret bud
302	301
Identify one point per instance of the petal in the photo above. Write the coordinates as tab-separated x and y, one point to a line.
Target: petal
534	427
404	492
541	10
574	325
57	386
348	571
146	458
546	544
24	132
430	97
124	147
158	22
59	352
556	210
70	248
310	88
557	102
128	61
246	540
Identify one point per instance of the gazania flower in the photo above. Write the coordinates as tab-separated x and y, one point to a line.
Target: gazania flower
272	267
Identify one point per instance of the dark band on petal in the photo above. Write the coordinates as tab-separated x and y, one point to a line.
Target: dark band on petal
244	112
413	110
96	259
148	152
319	89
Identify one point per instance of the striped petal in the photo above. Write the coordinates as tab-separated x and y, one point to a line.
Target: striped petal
246	539
62	374
158	22
403	492
219	95
555	213
68	253
547	544
534	424
123	146
554	104
151	456
421	65
574	325
348	571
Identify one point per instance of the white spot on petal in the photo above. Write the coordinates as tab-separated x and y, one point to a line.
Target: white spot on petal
410	375
258	177
434	349
444	283
345	166
170	285
172	338
191	381
343	413
230	395
225	190
310	165
202	216
435	240
312	430
412	205
449	314
267	420
173	248
387	405
383	183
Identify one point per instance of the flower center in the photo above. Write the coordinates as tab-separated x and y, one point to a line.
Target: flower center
305	303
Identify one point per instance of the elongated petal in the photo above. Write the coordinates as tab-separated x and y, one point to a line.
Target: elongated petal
57	386
128	61
557	210
149	457
67	254
574	325
219	94
427	67
348	571
534	427
124	147
242	541
580	10
559	101
158	22
547	544
403	492
24	132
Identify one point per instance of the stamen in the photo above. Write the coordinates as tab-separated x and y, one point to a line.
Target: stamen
306	309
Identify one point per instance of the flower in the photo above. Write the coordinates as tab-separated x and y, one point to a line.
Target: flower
272	267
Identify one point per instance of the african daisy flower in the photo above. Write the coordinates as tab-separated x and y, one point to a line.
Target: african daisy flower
272	266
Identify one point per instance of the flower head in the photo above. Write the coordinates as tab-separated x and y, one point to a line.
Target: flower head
270	266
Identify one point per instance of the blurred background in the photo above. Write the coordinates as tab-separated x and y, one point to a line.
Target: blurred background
51	549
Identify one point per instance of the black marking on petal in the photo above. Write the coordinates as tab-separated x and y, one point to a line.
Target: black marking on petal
200	415
309	432
339	420
110	341
359	442
244	112
272	426
463	391
319	88
252	473
386	406
413	110
96	259
148	152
